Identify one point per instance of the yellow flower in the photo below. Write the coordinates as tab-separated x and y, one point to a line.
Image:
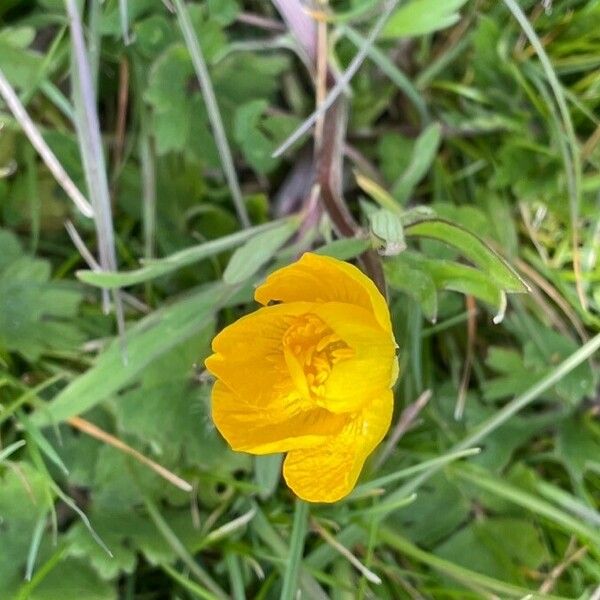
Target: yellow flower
309	374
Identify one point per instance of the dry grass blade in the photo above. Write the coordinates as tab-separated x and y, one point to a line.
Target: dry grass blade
95	432
366	573
88	129
343	80
37	141
406	420
572	555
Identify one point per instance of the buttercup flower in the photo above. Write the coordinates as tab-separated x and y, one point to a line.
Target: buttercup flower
309	374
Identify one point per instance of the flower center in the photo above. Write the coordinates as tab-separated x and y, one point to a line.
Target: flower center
311	348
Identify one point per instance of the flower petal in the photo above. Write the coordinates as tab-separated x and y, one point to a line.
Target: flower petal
328	472
248	354
373	369
277	427
316	278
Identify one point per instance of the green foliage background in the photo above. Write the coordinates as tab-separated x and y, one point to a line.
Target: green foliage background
459	133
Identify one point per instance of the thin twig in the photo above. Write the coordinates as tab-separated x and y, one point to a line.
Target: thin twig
37	141
259	21
321	77
329	539
99	434
571	556
343	81
406	420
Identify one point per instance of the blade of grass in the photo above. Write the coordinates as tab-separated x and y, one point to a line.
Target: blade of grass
573	166
265	531
225	530
296	550
156	268
381	482
27	588
148	172
89	136
124	18
94	41
42	443
149	338
235	576
391	70
456	572
538	506
37	141
214	114
28	395
568	502
177	546
11	449
185	583
53	487
34	547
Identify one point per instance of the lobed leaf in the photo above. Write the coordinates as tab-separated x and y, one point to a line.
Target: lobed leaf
473	248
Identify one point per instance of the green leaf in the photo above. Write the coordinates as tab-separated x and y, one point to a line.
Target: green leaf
128	532
483	546
377	193
169	411
167	93
473	248
23	501
248	259
424	152
148	339
259	134
34	310
415	282
577	447
387	227
171	418
344	249
19	64
69	579
156	268
440	508
223	12
420	17
446	275
542	349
